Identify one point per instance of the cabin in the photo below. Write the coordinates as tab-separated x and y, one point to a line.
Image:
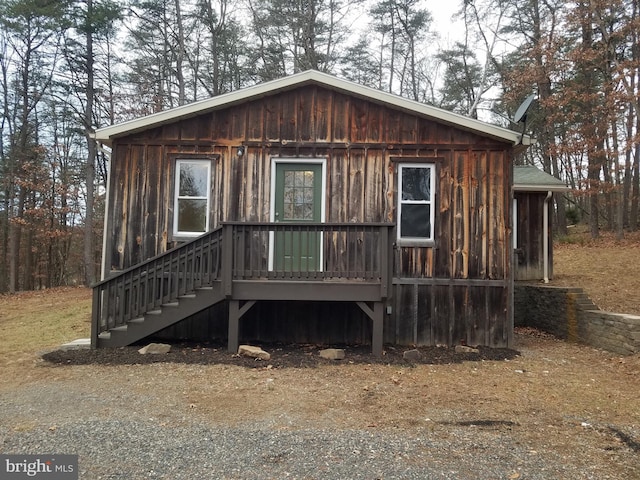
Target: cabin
308	209
533	192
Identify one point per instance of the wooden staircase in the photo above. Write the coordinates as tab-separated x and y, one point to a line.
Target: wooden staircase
155	320
160	292
236	263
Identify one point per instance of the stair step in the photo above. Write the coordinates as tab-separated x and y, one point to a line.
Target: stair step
160	317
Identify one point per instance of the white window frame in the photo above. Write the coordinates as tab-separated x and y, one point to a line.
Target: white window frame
404	240
177	197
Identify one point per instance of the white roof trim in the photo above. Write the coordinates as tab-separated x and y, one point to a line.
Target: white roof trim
540	188
105	135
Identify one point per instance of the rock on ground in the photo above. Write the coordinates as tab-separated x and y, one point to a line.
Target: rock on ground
333	353
155	349
254	352
412	355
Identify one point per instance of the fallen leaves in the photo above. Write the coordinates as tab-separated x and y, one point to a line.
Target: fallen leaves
602	268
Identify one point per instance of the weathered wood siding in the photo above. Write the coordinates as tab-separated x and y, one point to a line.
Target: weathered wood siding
458	288
529	254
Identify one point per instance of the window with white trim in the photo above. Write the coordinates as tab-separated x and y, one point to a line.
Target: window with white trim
416	202
192	197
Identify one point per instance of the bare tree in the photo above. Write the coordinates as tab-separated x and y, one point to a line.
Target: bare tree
91	22
297	35
32	35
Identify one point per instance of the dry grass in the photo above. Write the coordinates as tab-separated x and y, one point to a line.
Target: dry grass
608	270
31	322
42	319
556	398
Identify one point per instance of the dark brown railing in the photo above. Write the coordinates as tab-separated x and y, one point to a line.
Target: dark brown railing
131	293
349	252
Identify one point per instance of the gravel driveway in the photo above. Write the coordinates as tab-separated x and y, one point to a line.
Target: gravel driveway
346	421
136	449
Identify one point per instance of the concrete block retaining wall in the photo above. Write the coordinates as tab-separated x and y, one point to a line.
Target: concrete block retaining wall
568	313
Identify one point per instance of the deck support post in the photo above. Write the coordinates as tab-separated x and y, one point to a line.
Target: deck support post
235	313
96	315
234	324
377	317
378	328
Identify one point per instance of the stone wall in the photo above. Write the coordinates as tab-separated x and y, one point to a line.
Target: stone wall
568	313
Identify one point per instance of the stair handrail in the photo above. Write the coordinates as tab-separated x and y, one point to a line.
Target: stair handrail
134	292
117	273
112	308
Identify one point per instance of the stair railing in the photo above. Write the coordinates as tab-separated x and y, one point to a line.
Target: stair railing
131	293
342	252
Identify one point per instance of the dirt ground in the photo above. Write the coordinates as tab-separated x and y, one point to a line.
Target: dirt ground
554	397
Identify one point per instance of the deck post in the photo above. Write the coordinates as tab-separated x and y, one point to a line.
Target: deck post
234	324
377	318
96	313
378	329
384	262
227	259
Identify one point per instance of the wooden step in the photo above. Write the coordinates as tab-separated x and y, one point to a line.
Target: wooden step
159	319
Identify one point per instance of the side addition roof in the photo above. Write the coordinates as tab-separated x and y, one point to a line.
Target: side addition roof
527	178
107	134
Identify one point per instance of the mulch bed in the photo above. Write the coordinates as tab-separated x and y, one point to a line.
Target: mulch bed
282	356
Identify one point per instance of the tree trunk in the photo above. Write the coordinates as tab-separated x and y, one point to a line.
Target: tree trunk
15	236
617	192
89	260
4	222
592	129
635	188
180	56
626	187
30	272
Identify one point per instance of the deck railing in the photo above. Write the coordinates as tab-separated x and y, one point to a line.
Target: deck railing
131	293
319	252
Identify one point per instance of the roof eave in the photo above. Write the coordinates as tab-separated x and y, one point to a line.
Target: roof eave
540	188
107	134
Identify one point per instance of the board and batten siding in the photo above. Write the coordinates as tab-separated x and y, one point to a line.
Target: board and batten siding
529	253
457	289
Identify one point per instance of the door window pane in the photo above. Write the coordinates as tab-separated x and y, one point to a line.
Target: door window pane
298	195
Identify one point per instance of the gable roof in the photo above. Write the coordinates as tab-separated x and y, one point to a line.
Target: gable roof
309	77
527	178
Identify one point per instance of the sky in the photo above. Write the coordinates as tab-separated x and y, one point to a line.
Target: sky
442	11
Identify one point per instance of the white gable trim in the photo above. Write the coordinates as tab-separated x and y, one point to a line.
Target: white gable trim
105	135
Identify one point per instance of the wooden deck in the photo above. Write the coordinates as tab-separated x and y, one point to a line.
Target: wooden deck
242	263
